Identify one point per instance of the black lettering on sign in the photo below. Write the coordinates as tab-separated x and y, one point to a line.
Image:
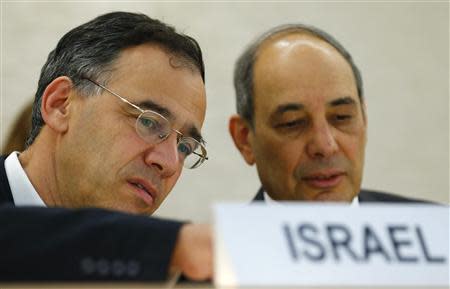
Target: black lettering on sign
426	253
306	241
290	241
308	234
340	237
398	243
372	245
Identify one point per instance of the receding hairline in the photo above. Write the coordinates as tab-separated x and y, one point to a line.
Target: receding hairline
303	34
176	60
293	31
300	33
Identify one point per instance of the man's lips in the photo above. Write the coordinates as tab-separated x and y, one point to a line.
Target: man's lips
144	190
324	180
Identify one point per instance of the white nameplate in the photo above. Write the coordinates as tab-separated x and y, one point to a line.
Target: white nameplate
314	244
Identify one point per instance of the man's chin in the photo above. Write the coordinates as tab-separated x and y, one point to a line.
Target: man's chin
308	194
329	196
137	209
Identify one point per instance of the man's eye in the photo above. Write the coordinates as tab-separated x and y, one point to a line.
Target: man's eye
292	124
149	123
342	117
185	148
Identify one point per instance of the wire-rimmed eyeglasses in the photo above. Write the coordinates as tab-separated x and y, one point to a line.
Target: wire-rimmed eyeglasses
154	128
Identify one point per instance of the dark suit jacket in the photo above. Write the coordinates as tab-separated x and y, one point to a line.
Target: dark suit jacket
87	244
365	196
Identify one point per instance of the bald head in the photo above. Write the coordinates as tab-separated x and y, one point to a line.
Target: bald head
299	62
301	116
244	68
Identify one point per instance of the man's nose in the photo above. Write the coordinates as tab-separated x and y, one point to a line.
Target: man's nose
322	142
164	156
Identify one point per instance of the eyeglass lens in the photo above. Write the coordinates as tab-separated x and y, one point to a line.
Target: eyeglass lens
153	128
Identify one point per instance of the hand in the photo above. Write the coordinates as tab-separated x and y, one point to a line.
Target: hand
193	252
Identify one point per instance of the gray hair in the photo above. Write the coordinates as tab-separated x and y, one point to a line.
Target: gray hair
91	49
243	71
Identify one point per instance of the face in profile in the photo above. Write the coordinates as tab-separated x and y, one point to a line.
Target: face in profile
103	161
309	132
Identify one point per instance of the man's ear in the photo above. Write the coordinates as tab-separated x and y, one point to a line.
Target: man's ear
365	113
240	132
364	108
55	99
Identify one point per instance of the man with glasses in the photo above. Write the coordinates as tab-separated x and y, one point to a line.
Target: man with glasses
155	128
117	114
301	117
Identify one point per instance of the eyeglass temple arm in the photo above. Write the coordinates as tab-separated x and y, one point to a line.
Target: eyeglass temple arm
115	94
203	157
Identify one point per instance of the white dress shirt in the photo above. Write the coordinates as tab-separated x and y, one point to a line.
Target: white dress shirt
269	200
23	192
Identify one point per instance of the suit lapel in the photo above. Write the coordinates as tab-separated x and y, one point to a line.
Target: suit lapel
259	196
5	190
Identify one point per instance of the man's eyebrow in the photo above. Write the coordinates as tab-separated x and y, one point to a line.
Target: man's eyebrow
288	107
194	133
342	101
150	105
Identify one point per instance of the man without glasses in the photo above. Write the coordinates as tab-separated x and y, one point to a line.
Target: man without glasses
302	117
117	114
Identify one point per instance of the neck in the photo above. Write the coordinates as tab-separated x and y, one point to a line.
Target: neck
39	165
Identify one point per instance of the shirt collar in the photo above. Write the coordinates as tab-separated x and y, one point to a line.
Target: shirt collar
22	190
269	200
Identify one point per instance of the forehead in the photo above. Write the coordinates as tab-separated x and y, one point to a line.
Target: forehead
147	73
300	68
